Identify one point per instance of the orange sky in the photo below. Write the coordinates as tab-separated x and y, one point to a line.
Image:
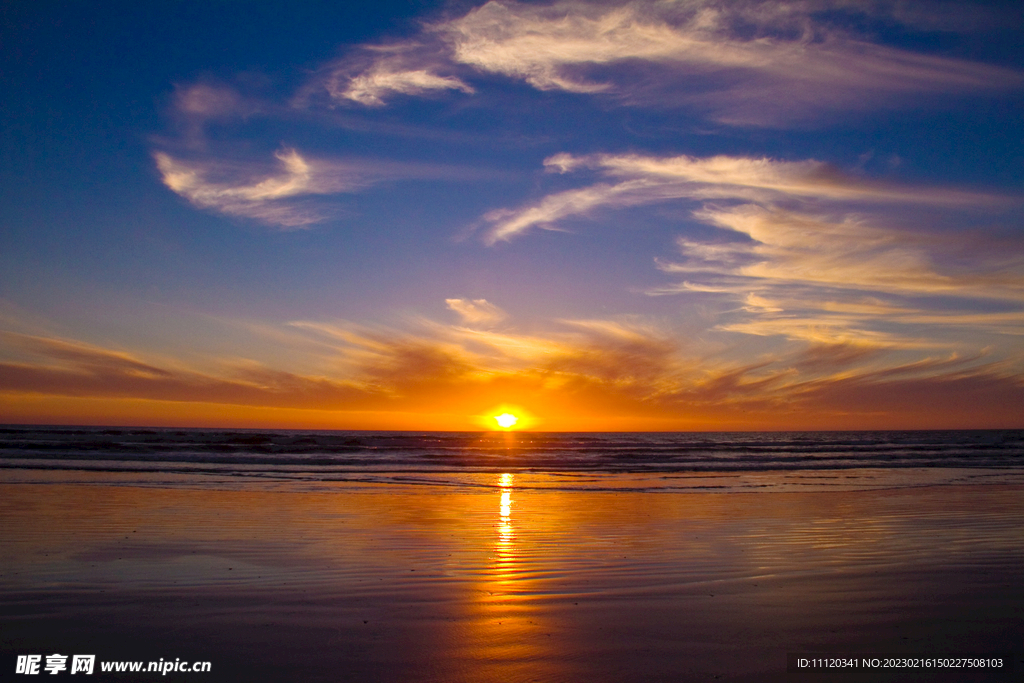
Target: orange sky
630	383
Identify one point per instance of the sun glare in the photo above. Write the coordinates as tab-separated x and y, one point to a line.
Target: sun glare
506	420
506	417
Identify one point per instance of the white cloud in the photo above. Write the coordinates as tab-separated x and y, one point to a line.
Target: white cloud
743	63
510	222
791	62
649	179
387	76
280	195
536	44
787	247
790	247
816	279
238	190
790	255
476	311
728	176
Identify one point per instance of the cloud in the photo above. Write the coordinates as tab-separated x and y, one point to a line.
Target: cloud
87	358
281	196
236	190
744	63
809	277
637	365
794	248
792	63
197	106
830	357
650	179
579	371
206	101
786	247
792	258
507	223
476	311
754	178
390	72
73	368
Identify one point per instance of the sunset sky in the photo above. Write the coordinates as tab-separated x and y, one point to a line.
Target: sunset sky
689	215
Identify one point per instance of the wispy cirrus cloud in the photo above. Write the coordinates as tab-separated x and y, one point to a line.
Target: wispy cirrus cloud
382	72
801	249
795	248
742	63
279	196
747	63
641	361
597	370
248	192
65	367
649	179
476	311
807	277
291	190
757	178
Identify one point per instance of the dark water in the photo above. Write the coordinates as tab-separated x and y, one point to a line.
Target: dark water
655	460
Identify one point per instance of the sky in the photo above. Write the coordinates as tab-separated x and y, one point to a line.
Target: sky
610	216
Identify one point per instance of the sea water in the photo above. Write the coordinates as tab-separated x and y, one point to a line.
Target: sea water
741	461
395	557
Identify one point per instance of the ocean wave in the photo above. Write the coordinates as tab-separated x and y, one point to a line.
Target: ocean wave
291	453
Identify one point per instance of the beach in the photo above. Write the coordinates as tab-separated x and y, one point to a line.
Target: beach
511	580
512	341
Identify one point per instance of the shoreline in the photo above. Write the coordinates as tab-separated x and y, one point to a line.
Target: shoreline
665	482
423	583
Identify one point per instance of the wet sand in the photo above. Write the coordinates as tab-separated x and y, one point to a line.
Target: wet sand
432	583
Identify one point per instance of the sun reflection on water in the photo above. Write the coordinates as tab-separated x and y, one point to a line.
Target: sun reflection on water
505	548
510	638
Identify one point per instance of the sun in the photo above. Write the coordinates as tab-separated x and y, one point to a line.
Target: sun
506	417
506	420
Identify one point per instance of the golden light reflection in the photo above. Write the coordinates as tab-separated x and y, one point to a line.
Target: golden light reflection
510	638
506	532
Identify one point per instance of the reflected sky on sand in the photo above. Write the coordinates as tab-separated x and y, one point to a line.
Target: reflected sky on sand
430	583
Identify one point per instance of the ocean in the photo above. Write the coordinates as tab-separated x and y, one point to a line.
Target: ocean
656	461
396	557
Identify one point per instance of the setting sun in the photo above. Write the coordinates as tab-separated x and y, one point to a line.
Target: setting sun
506	420
506	417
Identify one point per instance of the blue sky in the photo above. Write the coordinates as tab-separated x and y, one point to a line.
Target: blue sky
665	215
